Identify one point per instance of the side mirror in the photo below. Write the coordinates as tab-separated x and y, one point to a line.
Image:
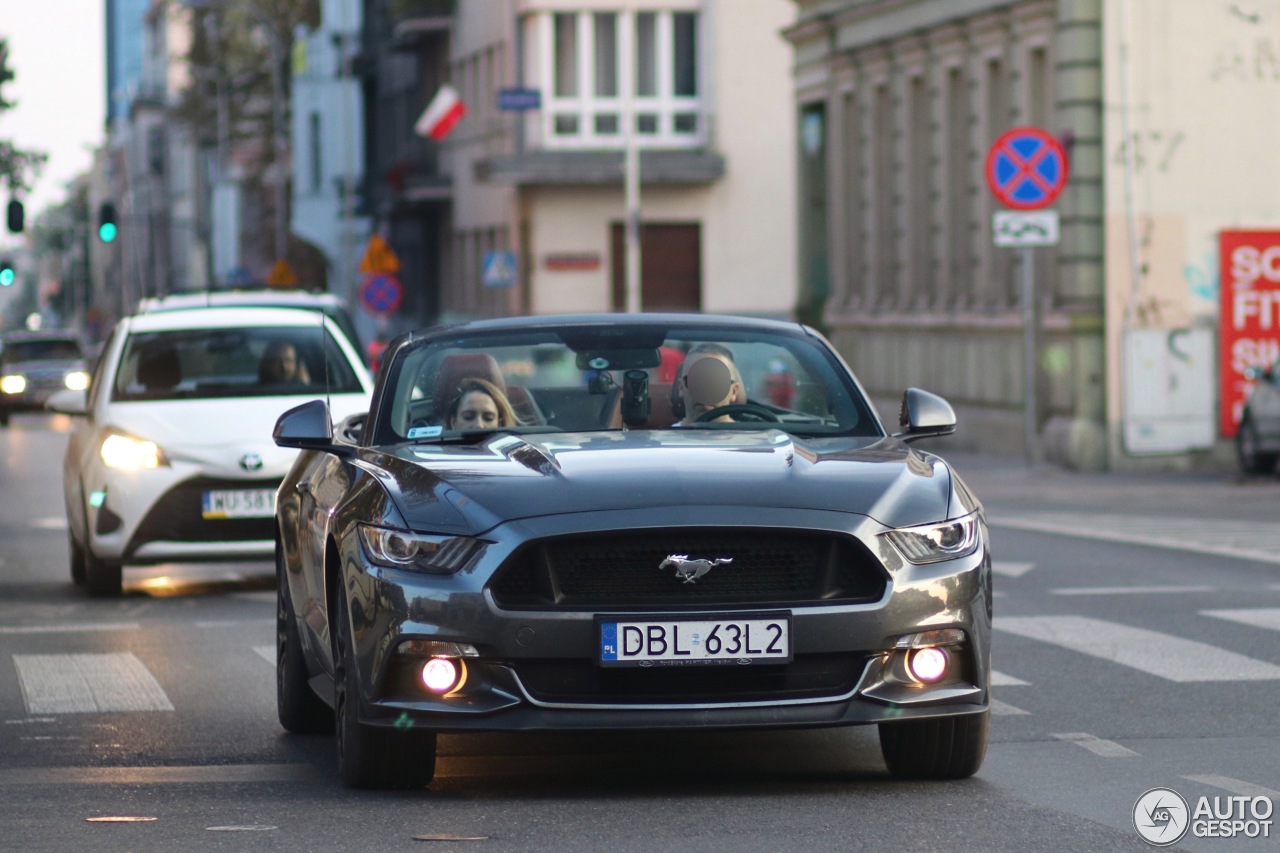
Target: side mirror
307	427
68	402
924	415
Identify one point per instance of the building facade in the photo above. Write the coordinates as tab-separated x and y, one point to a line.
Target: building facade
523	210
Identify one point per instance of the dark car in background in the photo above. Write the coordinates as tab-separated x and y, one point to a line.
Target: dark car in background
1258	436
642	534
34	365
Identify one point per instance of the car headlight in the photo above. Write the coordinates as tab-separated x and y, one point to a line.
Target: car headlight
76	380
403	549
13	383
933	543
127	453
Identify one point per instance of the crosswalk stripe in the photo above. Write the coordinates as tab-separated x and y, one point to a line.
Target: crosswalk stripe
1173	658
1012	570
88	683
1130	590
1258	617
267	653
1000	679
1237	539
1235	786
1097	745
71	628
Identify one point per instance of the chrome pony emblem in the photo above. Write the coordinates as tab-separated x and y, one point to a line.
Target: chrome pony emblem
691	570
251	462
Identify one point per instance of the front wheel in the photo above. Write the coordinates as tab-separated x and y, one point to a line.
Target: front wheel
1252	460
942	748
372	756
300	710
104	578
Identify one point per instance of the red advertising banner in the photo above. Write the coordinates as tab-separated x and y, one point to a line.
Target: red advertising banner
1248	317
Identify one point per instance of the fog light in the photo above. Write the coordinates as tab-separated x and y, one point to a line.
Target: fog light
928	665
440	675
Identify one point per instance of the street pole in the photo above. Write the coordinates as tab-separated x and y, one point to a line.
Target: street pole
277	120
1029	351
631	170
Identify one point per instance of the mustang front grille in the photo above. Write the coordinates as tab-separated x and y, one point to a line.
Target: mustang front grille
625	570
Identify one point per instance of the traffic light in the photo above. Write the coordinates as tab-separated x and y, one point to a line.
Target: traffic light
7	273
107	229
17	216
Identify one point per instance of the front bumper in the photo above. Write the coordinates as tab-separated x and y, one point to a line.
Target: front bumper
537	669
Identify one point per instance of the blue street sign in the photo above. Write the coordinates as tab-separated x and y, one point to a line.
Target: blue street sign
519	99
499	269
1026	168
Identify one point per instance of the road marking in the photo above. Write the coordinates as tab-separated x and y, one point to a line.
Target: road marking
234	623
999	679
267	653
1236	539
1011	570
235	773
1152	652
67	629
57	523
1235	786
1096	745
1130	590
1004	709
1258	617
88	683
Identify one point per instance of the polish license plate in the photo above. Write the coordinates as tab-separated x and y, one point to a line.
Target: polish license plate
239	503
695	640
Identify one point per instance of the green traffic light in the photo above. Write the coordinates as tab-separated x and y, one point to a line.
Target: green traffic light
107	232
7	276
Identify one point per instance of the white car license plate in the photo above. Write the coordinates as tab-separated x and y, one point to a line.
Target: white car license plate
240	503
695	640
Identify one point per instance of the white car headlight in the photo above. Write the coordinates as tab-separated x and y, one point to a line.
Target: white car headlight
933	543
13	383
76	380
126	453
402	549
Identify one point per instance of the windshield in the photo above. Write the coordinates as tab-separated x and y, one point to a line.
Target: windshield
617	377
236	362
16	352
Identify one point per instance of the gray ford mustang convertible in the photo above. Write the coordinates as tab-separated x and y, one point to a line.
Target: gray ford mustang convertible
627	522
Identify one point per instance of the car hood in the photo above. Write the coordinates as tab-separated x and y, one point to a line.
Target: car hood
217	434
452	487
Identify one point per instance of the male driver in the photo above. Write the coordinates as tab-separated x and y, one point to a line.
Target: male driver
709	379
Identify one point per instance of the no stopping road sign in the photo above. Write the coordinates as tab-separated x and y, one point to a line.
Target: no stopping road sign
1026	168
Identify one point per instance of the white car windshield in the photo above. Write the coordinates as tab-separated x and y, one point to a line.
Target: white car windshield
232	362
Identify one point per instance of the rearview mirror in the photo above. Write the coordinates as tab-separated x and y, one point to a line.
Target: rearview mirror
68	402
307	427
924	415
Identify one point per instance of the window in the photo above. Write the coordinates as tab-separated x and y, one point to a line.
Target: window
317	166
598	64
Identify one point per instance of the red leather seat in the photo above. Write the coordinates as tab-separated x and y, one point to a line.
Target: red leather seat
480	365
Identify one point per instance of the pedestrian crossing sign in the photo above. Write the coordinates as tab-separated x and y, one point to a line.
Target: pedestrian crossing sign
499	269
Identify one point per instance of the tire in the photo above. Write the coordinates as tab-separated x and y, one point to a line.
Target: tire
372	756
103	577
300	710
942	748
77	561
1252	461
4	417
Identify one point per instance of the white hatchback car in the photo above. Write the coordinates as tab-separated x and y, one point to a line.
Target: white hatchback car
172	459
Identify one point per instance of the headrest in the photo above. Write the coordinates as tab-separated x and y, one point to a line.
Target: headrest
160	369
465	365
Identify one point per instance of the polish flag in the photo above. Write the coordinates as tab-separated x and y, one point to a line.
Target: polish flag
441	114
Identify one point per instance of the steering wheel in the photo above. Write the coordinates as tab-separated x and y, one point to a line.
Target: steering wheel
752	411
